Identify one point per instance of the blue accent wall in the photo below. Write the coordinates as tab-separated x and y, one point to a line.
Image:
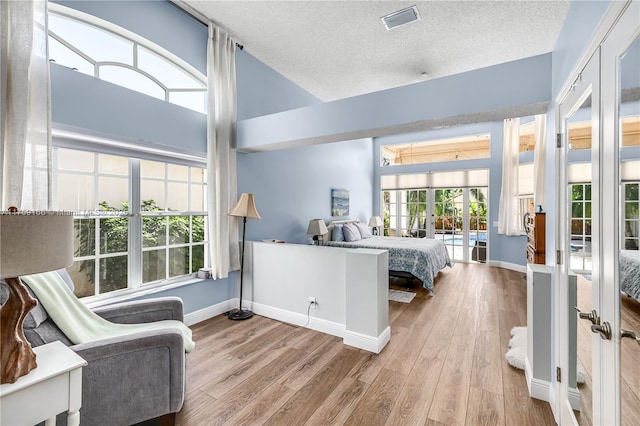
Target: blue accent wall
262	91
293	186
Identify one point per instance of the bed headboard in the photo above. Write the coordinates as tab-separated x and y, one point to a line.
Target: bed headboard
328	235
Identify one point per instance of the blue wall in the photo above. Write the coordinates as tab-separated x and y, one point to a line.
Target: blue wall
262	91
292	186
510	249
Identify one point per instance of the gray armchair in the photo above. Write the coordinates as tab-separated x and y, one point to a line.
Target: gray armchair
128	379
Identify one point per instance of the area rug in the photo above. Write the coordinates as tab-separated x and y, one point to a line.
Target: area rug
401	296
518	351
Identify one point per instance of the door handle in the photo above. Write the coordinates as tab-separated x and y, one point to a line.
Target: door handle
630	334
591	316
603	330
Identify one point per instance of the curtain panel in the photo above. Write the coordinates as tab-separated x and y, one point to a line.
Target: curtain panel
509	210
221	154
25	106
539	160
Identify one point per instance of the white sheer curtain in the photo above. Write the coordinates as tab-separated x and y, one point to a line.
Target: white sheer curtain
539	160
25	106
221	153
508	214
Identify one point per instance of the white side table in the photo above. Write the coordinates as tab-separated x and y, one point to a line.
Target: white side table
49	389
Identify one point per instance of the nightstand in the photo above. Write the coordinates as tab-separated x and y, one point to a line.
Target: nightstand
51	388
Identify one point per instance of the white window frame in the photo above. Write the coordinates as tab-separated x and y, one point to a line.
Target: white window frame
137	41
66	139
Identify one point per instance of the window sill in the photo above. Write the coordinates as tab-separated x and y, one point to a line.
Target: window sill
133	293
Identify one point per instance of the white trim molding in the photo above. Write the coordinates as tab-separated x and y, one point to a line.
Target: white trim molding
507	265
210	311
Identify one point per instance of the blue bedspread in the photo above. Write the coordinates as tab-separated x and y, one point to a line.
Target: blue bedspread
422	257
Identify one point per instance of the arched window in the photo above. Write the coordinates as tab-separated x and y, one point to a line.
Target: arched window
101	49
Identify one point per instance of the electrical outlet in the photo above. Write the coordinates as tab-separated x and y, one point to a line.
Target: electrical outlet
313	302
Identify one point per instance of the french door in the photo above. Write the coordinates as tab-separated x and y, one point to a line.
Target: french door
456	216
607	91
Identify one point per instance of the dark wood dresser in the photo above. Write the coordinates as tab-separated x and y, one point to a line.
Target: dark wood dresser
535	227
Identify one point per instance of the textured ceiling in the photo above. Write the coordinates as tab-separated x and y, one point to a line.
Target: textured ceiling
339	49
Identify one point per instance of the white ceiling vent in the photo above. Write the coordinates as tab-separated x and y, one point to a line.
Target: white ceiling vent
401	17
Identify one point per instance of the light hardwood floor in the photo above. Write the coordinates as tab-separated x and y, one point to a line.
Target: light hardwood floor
444	365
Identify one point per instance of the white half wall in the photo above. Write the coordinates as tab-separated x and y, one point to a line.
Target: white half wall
349	286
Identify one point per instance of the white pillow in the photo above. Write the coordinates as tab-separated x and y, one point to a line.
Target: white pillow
351	232
365	232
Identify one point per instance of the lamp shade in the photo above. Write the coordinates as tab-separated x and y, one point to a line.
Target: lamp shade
375	221
245	207
317	227
33	243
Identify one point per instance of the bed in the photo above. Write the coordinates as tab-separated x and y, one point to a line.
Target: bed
421	257
630	273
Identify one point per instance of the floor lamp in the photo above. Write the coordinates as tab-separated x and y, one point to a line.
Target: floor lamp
246	208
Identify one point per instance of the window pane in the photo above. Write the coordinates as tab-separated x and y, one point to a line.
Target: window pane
113	274
177	172
198	229
152	195
113	165
461	148
113	193
197	258
197	198
196	101
152	169
178	197
114	235
154	265
178	261
631	192
62	55
85	237
166	72
98	44
82	275
197	175
75	192
178	229
131	79
75	161
154	231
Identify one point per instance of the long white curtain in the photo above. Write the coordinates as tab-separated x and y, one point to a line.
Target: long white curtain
25	106
539	160
508	214
221	153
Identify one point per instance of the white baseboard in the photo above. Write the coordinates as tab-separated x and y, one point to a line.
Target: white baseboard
318	324
368	343
574	398
507	265
210	311
538	389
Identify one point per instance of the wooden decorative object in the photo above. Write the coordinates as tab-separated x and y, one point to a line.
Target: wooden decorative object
16	353
30	243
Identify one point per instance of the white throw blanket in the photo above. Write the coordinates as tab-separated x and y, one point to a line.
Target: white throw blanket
79	323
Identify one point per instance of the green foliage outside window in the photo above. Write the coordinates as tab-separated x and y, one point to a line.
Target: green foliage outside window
114	232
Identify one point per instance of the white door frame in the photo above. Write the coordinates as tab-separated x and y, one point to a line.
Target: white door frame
585	85
615	33
626	31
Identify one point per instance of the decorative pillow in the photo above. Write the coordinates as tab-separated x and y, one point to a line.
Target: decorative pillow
365	232
338	234
351	232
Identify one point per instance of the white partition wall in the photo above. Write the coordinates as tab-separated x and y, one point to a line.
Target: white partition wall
349	285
